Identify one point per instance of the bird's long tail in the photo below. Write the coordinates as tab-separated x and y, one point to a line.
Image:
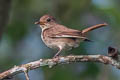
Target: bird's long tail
93	27
88	40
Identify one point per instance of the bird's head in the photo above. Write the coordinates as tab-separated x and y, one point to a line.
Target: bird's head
45	21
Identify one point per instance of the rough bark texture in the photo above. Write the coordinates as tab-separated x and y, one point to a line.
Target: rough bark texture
113	59
60	60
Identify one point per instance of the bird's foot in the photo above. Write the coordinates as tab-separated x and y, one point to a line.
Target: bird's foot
56	56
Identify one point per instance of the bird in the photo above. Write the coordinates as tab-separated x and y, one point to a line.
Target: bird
60	37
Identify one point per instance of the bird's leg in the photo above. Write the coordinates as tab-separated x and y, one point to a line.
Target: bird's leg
58	53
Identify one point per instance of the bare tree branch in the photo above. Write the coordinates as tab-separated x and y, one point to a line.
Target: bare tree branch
60	60
112	59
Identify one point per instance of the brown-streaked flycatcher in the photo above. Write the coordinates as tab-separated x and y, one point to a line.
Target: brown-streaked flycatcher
57	36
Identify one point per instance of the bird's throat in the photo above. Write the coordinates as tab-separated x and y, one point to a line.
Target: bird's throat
44	27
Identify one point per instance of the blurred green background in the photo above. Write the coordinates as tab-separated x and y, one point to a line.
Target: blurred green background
20	40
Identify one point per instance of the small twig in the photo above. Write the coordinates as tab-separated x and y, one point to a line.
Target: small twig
112	52
93	27
26	75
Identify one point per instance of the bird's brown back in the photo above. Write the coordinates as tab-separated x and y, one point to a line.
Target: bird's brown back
60	30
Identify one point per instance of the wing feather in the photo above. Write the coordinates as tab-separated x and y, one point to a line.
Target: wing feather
69	34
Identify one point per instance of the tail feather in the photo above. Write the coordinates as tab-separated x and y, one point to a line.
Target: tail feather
88	40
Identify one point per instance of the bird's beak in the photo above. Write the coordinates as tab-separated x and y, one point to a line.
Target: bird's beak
38	22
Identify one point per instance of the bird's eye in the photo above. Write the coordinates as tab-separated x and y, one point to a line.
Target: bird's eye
48	20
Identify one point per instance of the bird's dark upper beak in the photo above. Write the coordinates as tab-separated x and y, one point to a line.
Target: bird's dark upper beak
38	22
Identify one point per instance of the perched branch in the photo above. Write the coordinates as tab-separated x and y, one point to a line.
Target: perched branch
60	60
93	27
63	60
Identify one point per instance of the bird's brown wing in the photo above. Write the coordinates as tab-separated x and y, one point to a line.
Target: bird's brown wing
69	34
61	31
